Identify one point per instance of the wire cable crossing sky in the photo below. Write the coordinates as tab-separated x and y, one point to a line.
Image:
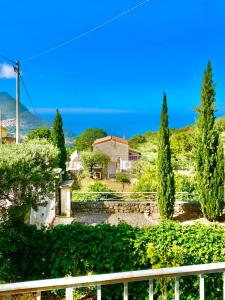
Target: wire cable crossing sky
65	43
114	78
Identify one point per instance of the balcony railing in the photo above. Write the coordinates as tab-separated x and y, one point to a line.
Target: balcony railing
124	277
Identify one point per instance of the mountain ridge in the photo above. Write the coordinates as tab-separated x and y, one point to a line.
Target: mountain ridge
29	121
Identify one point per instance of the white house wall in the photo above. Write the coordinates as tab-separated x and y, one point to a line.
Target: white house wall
114	149
44	215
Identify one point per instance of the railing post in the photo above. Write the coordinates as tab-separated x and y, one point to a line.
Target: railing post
125	291
99	292
151	289
69	294
177	287
202	287
38	296
223	285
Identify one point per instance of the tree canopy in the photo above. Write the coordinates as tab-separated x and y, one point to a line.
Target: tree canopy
90	159
86	139
40	133
27	176
124	179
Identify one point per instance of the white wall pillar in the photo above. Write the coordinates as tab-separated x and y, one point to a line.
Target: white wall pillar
65	201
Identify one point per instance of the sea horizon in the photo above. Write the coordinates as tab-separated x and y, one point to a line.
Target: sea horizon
120	124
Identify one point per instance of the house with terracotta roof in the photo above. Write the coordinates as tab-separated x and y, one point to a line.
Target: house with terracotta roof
121	155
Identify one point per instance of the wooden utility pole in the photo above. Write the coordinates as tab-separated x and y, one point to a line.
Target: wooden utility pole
17	71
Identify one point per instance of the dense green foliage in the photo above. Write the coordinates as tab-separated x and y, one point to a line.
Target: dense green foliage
182	148
137	140
147	180
185	183
27	253
209	153
40	133
91	159
27	176
86	139
96	187
165	176
58	140
123	178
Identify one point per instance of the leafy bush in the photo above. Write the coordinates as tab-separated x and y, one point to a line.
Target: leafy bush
147	181
184	183
96	187
27	176
124	179
73	250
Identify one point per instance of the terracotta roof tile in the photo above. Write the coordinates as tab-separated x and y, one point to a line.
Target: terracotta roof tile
110	138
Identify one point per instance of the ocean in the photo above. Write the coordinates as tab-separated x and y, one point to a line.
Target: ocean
121	124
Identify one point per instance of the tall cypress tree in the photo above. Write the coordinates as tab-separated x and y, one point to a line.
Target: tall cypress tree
59	141
166	184
209	152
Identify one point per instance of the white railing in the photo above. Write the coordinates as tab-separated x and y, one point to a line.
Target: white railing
124	277
130	196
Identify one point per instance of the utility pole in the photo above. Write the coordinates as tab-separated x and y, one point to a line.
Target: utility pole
17	71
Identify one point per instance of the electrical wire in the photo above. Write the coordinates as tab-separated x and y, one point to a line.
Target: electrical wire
28	94
7	58
81	35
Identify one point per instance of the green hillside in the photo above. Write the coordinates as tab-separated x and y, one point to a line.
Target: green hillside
28	120
182	145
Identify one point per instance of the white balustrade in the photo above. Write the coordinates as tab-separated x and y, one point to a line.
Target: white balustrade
70	283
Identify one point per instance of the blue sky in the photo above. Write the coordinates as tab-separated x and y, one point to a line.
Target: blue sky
162	46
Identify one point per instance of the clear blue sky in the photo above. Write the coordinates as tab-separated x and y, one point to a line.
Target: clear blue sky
162	46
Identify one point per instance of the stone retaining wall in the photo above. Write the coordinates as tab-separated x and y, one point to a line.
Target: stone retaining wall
183	210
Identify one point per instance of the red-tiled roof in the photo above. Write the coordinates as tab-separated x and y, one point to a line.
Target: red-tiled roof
110	138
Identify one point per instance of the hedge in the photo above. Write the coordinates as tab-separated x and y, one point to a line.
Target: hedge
73	250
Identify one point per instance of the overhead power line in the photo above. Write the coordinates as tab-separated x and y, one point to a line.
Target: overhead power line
81	35
28	94
8	59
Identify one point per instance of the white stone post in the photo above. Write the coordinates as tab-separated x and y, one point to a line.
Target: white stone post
65	197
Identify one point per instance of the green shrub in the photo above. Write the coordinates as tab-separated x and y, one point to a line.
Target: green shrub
74	250
123	178
147	181
96	187
185	183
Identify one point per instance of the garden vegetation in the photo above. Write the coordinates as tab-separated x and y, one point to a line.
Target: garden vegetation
74	250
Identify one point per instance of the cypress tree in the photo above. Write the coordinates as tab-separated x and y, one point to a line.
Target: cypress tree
166	184
209	153
59	141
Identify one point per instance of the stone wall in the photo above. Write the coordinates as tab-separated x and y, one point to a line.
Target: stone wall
183	210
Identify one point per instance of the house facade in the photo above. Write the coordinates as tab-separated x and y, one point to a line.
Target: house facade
121	156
